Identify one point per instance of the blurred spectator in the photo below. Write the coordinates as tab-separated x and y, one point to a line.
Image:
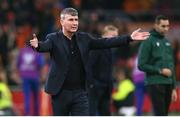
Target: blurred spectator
23	33
138	79
4	44
29	65
123	97
121	54
100	68
6	103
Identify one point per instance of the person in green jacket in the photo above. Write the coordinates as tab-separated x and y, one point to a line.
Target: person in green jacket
156	60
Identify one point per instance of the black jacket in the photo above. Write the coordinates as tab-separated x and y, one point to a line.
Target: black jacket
59	54
100	67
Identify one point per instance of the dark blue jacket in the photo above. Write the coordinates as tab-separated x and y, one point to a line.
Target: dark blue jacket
100	67
59	54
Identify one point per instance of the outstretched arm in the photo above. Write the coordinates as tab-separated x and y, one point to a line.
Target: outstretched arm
41	46
137	35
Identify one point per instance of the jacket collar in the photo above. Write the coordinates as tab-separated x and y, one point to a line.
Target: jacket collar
156	34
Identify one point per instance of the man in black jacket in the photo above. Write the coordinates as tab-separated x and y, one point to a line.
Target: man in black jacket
100	73
69	51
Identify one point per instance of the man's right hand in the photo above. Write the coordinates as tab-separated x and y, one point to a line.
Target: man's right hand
166	72
34	41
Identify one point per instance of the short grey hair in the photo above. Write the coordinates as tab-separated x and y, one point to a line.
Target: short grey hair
68	11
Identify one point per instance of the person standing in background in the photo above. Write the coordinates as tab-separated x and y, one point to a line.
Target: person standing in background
6	101
140	90
156	60
29	66
69	51
123	95
100	68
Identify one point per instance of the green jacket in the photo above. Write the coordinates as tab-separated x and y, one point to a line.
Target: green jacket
156	53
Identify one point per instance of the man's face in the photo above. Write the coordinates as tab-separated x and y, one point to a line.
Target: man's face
110	34
70	23
162	27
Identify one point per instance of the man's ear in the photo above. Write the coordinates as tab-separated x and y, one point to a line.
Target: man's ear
61	21
155	25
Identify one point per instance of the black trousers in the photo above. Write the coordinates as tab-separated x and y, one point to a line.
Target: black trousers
99	100
70	103
160	95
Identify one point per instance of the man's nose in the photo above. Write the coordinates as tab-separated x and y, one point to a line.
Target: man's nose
166	28
75	22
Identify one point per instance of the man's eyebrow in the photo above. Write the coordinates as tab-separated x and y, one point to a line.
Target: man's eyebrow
165	25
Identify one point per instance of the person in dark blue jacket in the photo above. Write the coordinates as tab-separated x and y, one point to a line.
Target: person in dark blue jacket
100	72
69	50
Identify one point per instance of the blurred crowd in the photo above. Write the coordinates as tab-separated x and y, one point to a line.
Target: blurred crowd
19	19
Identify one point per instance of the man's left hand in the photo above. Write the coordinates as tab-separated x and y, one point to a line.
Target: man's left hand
174	95
137	35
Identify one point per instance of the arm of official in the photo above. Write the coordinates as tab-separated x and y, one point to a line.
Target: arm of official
144	58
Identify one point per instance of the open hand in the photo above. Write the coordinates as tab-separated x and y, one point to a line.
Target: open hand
137	35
